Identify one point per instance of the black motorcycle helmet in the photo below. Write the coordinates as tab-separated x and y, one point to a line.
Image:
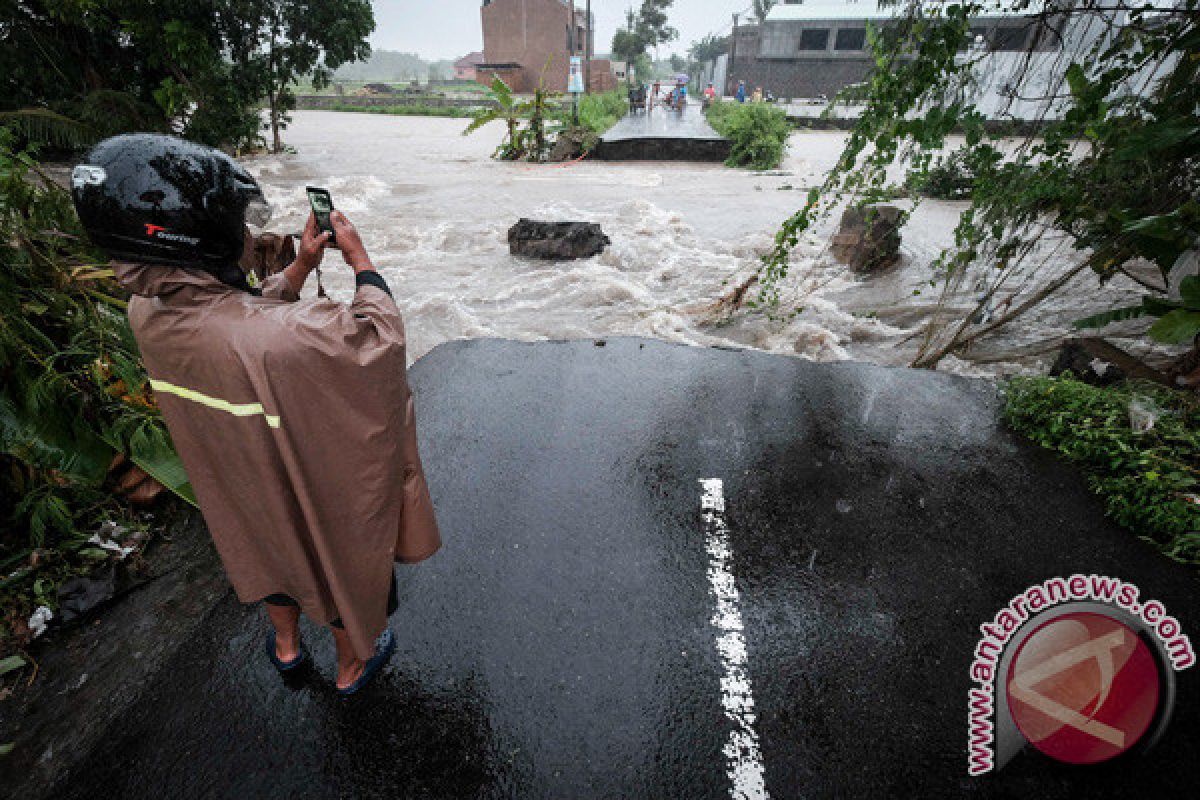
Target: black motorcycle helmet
153	198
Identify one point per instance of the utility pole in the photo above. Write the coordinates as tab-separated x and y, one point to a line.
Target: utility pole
571	40
587	51
732	58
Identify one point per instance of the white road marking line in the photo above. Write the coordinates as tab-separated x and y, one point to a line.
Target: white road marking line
745	764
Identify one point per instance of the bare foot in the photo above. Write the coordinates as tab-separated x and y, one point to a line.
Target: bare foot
287	646
349	673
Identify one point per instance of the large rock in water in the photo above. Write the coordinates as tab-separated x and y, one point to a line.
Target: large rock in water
869	238
556	241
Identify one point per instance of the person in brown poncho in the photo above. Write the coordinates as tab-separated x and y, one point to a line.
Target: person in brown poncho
293	418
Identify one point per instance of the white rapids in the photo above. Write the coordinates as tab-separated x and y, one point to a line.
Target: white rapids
435	209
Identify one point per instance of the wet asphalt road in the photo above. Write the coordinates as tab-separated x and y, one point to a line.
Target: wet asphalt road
663	123
562	644
663	135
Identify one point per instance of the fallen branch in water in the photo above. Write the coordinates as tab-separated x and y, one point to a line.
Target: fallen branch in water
731	301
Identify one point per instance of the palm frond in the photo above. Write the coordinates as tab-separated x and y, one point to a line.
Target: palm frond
45	127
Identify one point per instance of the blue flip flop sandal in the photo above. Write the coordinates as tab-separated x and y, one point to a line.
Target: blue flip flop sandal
385	645
283	666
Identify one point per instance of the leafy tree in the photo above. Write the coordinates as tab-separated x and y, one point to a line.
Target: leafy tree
1114	174
644	29
281	41
73	71
652	23
710	48
628	44
78	70
762	8
383	65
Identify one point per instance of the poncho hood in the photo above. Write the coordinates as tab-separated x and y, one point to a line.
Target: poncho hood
157	280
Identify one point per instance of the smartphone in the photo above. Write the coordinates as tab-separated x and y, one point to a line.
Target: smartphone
322	206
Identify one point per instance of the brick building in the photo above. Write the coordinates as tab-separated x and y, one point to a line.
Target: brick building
465	67
524	40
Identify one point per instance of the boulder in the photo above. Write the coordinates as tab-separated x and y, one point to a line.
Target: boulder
869	238
556	241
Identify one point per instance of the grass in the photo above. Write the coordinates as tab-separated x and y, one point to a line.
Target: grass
1149	480
599	112
409	111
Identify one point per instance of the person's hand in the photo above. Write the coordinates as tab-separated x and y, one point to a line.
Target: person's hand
350	243
312	246
308	257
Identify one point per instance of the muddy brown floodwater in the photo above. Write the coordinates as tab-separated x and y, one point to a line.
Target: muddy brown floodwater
435	209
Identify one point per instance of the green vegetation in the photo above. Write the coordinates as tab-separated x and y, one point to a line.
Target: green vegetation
758	131
1149	479
410	110
526	137
76	71
949	177
762	8
281	40
73	395
1116	175
1178	322
704	50
599	112
645	29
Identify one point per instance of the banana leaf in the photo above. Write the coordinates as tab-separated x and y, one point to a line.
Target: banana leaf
158	458
55	440
153	451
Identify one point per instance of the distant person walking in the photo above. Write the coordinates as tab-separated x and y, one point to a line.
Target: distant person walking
757	97
709	93
741	92
657	91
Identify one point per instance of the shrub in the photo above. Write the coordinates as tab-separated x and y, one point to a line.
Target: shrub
758	132
950	177
1149	480
599	112
73	394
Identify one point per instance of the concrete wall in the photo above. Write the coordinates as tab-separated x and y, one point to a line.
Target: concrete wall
774	56
603	79
318	102
810	77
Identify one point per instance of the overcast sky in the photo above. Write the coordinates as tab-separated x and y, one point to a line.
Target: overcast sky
448	29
